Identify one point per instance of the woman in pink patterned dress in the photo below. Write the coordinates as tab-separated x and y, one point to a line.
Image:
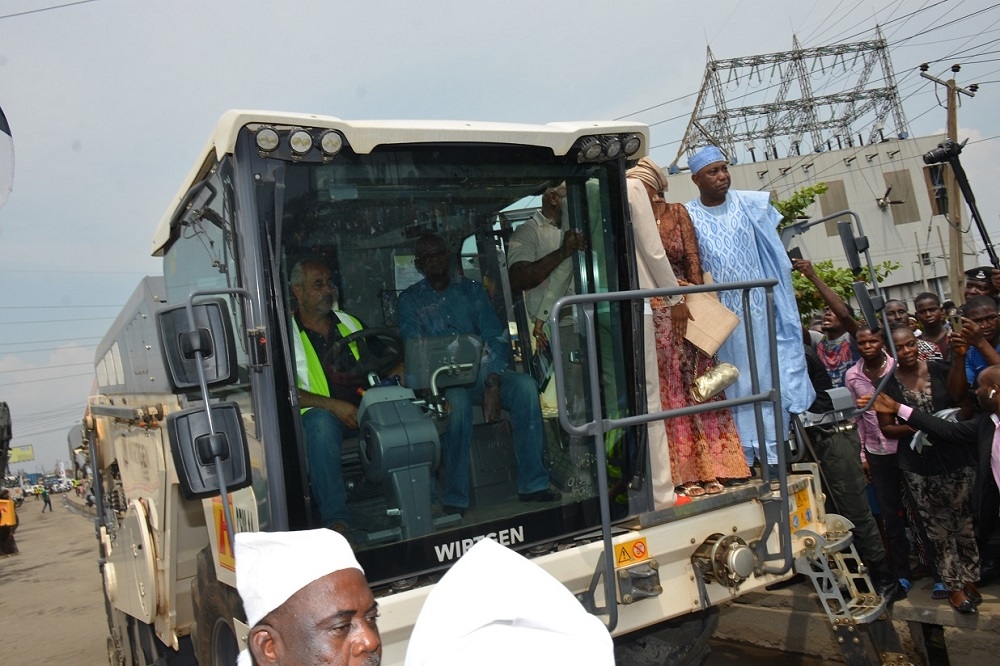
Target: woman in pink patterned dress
705	448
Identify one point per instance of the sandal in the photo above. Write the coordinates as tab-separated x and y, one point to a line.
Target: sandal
712	487
939	591
690	490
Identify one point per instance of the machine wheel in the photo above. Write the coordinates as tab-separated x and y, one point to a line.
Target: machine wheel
215	605
681	642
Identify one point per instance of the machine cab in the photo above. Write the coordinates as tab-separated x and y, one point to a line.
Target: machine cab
416	472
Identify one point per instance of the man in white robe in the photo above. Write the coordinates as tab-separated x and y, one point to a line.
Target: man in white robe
738	240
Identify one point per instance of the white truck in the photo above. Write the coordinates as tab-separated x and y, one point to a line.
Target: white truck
198	376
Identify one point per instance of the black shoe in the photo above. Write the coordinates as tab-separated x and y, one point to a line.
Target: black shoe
962	603
891	590
546	495
973	594
452	510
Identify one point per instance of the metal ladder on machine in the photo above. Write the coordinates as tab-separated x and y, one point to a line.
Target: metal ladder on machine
860	617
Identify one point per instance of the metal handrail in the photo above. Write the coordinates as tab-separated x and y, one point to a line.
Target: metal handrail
598	427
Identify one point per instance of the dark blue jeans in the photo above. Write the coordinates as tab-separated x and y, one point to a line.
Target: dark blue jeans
888	483
325	435
519	396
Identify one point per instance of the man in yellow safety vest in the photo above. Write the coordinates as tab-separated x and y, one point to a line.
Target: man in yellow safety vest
329	410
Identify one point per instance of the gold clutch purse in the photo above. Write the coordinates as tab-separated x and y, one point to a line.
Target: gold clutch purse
714	382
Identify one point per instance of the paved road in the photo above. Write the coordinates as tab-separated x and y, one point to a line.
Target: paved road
51	602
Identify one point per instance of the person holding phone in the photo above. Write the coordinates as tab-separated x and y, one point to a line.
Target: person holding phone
836	349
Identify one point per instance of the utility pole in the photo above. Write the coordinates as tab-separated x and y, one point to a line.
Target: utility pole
956	259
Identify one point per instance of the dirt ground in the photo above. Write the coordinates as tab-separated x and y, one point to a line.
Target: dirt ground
51	602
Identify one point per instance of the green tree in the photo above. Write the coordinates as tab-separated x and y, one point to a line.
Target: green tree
792	207
841	280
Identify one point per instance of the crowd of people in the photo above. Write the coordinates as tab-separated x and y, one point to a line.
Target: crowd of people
926	444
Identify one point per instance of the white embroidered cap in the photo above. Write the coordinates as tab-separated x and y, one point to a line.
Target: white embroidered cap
272	566
495	608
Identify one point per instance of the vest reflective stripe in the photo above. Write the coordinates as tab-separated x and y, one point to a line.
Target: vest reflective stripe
308	369
348	325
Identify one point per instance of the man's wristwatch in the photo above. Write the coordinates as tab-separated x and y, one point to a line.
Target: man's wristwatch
492	380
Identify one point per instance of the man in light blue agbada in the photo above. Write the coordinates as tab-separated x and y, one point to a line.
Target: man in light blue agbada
738	240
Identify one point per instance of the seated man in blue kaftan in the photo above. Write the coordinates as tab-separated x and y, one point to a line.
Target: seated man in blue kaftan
442	305
738	241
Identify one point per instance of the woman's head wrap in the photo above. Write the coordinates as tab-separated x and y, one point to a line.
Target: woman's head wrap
650	173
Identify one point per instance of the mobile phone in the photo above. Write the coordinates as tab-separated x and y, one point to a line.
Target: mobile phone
956	322
795	253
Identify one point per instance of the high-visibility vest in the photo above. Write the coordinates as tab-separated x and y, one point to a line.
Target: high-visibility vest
7	517
308	368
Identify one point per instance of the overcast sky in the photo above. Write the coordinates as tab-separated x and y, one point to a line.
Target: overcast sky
110	100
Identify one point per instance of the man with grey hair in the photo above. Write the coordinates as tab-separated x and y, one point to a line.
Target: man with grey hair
306	600
329	410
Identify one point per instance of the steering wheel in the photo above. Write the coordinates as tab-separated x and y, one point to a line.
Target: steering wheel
344	369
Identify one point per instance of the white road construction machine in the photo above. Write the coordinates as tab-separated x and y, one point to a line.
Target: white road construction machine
195	429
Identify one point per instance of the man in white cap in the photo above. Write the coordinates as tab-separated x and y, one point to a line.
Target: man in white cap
496	608
306	600
738	241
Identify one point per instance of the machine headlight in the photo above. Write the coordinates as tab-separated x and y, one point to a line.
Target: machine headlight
267	139
300	141
331	142
631	144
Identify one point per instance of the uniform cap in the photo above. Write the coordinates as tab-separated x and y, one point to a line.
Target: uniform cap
982	273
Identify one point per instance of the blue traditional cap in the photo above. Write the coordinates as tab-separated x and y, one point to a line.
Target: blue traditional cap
704	157
982	274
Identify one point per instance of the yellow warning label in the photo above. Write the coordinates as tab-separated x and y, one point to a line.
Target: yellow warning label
226	558
800	510
631	552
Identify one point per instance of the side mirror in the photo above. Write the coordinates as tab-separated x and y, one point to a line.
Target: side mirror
212	335
853	245
870	307
195	448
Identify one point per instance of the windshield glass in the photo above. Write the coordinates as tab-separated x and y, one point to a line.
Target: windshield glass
427	264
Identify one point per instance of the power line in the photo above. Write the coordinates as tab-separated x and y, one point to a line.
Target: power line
45	432
46	271
656	106
54	307
47	367
52	321
47	9
46	349
48	379
32	342
945	25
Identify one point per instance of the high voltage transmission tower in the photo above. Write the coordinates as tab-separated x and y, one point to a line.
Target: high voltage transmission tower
780	85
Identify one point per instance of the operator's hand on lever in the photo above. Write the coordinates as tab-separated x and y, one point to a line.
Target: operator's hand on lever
491	398
345	411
